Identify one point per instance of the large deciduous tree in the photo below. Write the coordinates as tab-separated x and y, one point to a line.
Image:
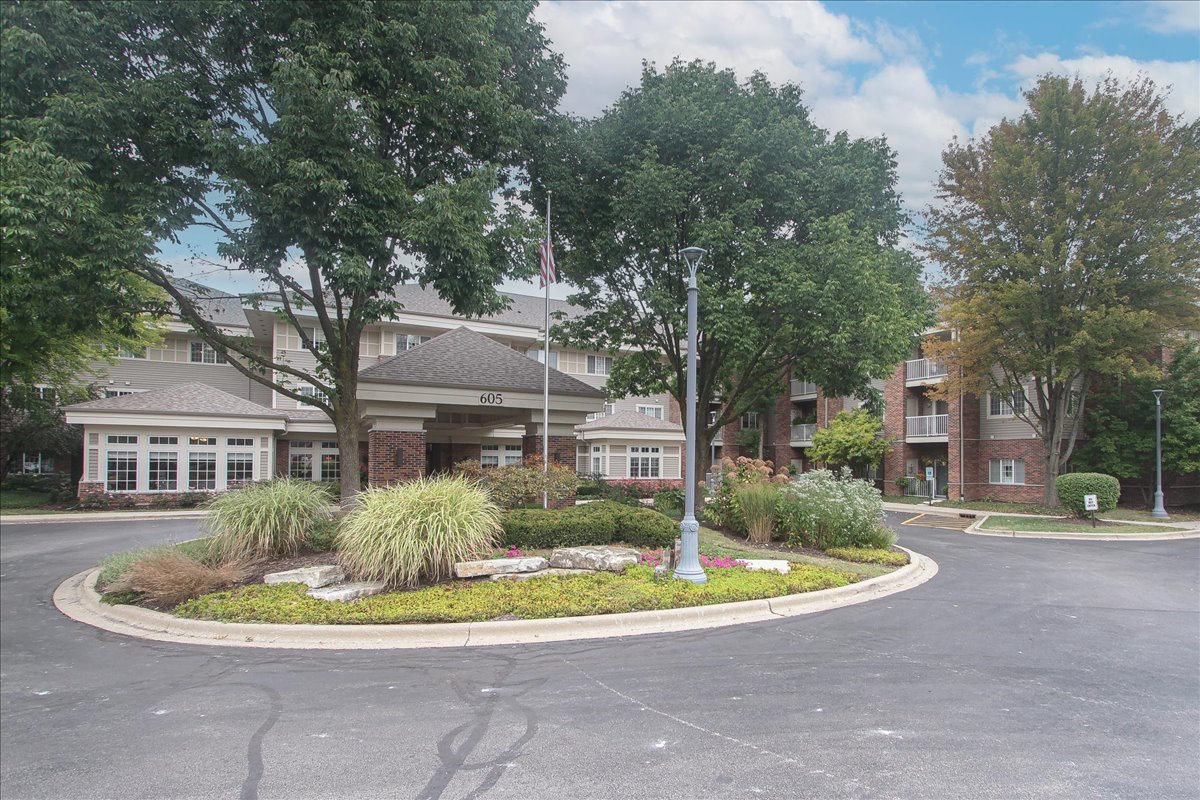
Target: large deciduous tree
801	227
1070	240
336	149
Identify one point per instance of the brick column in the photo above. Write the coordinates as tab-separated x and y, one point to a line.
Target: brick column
962	460
281	458
893	428
382	448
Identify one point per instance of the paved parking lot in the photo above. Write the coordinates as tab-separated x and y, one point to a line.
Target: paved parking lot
1025	668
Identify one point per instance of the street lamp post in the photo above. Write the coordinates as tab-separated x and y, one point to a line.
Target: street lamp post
1159	510
689	567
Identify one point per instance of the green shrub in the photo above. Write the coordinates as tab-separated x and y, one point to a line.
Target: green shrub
758	502
823	509
723	508
417	531
598	523
323	536
869	555
269	518
518	485
1074	485
587	489
669	501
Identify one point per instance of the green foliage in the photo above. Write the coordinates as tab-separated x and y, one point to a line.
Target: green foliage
602	522
268	518
854	438
517	485
540	598
692	156
824	509
1069	239
1074	485
416	531
669	501
323	536
869	555
1120	425
757	503
723	507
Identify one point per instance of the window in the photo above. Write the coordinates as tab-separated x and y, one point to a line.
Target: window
203	441
651	411
1073	403
512	454
116	393
230	442
122	439
301	445
536	355
599	365
643	462
45	393
164	440
1006	470
202	471
239	468
1004	405
331	462
131	352
163	470
122	470
609	408
750	421
407	341
300	463
312	391
37	463
489	455
202	353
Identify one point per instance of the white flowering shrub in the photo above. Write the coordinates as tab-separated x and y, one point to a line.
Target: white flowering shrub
826	509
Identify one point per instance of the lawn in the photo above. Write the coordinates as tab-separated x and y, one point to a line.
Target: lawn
1131	514
24	501
1062	525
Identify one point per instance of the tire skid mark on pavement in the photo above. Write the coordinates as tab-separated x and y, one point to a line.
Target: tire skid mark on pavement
706	731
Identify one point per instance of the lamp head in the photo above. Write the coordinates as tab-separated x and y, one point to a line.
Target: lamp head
1158	393
691	256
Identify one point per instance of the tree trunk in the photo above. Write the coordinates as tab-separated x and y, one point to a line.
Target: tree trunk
348	423
1050	490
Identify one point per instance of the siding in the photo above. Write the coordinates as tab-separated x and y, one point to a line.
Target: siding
144	374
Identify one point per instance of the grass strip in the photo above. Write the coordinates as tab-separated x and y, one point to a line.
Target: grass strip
1036	525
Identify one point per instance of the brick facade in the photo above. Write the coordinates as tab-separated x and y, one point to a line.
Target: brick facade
893	428
465	452
562	449
1030	450
281	458
386	448
963	468
780	450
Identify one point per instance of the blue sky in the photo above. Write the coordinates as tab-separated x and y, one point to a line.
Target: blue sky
919	73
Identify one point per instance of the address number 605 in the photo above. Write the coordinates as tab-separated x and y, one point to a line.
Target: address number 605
491	399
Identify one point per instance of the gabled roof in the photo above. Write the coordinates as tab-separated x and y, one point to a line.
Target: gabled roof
464	358
523	309
189	398
220	307
630	421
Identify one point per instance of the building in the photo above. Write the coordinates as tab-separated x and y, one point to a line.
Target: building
435	389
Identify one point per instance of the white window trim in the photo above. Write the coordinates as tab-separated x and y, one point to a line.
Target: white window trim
594	363
182	448
1000	469
1006	405
651	454
660	415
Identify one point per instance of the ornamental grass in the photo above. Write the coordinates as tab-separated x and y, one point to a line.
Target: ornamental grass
169	576
270	518
416	531
757	502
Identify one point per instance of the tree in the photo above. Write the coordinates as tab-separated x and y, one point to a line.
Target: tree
802	270
1120	426
1070	241
854	438
337	150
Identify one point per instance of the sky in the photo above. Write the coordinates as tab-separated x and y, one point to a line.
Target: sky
918	73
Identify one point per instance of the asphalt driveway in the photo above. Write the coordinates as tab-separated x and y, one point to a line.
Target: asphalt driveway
1024	669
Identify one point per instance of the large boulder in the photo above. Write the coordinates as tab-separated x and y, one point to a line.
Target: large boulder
345	592
768	565
499	566
601	558
312	577
524	576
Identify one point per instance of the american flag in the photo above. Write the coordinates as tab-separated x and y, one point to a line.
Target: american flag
546	253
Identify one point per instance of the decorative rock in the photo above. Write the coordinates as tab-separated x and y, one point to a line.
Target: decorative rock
313	577
345	592
768	565
524	576
499	566
611	559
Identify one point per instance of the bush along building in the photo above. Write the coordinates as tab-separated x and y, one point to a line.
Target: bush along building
435	389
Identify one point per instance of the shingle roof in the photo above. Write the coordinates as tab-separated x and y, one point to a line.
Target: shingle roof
523	309
464	358
629	421
186	398
220	307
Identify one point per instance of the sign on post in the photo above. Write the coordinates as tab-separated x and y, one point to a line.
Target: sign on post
929	479
1091	503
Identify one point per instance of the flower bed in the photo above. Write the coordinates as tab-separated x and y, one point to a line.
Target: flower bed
540	598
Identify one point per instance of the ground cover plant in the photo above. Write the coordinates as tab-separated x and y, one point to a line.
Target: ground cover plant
416	531
870	555
266	519
540	598
716	544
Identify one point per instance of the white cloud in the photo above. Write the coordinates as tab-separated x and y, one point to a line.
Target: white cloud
1182	77
1170	16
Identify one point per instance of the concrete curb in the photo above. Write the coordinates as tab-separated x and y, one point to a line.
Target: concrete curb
100	516
975	530
76	597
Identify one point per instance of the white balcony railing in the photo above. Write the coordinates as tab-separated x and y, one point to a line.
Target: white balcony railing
803	389
803	433
931	425
920	369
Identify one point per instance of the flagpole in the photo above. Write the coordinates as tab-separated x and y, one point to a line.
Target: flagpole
546	359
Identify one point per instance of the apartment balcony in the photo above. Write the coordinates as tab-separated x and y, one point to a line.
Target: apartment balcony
802	435
803	390
922	370
929	428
